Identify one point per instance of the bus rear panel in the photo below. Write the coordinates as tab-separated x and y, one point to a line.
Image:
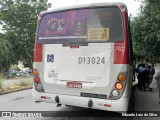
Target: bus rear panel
81	57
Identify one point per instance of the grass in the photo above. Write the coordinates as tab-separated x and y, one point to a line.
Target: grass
1	81
16	78
22	84
1	84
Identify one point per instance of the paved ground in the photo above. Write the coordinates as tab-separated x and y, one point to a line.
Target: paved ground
23	101
147	102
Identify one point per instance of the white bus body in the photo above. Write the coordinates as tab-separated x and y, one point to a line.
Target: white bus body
92	69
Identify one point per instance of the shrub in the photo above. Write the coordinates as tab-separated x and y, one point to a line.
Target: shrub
1	80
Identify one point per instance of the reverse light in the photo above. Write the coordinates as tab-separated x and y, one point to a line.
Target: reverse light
39	88
121	77
119	86
115	93
35	72
36	79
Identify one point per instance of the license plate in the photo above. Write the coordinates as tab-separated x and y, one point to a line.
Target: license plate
74	85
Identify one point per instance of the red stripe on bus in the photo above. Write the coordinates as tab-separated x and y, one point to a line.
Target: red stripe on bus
37	47
38	53
121	49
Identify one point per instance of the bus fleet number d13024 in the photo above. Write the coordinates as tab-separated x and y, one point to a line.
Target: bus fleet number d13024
91	60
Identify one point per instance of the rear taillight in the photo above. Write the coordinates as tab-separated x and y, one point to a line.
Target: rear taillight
118	86
36	79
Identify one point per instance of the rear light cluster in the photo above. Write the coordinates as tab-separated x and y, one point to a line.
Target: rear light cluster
119	86
37	81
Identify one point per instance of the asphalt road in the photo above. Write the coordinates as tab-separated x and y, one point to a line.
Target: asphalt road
23	101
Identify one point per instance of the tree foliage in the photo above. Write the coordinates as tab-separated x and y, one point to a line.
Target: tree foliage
146	31
5	54
19	18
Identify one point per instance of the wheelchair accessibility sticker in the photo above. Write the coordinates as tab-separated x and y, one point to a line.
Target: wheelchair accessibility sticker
50	58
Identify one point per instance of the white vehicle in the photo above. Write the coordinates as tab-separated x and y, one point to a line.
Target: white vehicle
87	61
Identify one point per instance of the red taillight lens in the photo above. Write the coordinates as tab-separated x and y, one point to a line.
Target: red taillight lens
37	80
119	86
74	46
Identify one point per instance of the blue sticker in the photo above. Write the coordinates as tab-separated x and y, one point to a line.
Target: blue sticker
50	58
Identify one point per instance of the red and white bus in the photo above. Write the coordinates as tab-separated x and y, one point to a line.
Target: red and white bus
83	57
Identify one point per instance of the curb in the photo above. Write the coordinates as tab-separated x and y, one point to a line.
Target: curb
16	90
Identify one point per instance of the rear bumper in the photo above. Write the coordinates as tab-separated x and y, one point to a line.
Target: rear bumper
120	105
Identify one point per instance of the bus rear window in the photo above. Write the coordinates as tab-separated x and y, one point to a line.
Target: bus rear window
104	24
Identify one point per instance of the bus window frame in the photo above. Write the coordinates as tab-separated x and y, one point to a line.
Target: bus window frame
51	41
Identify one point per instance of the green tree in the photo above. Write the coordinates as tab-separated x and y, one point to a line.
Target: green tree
146	31
5	54
20	19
